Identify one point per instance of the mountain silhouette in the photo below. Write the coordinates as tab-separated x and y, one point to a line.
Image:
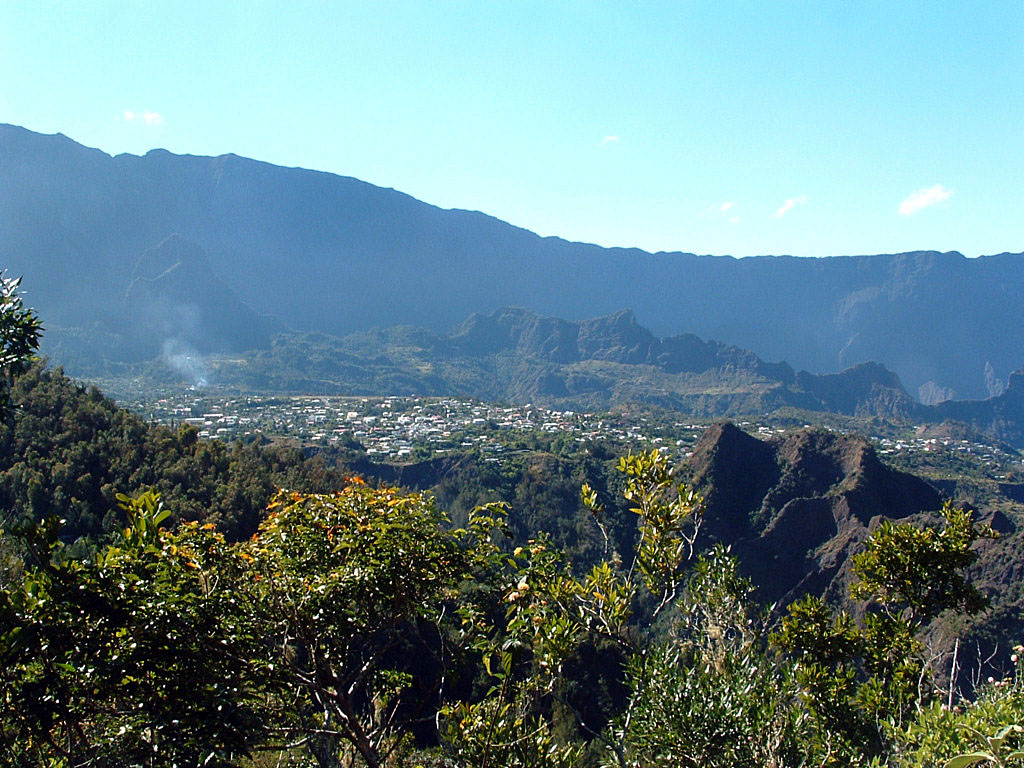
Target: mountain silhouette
333	254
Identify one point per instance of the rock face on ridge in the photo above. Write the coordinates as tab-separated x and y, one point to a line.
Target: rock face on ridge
794	508
175	299
516	355
614	338
1001	417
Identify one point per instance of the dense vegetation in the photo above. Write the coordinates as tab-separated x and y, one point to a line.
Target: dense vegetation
360	625
70	451
358	628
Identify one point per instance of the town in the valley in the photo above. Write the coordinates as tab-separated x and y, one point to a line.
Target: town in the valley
411	428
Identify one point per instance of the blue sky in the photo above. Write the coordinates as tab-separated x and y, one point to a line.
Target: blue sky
728	127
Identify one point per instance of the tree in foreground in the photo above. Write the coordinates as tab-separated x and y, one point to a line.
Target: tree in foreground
349	592
20	330
865	682
126	658
983	732
181	648
713	693
672	669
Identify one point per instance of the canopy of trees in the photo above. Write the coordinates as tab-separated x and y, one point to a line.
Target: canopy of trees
359	628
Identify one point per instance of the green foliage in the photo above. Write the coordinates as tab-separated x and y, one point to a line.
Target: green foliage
549	614
819	634
503	733
894	661
69	451
714	692
714	695
919	572
940	733
522	653
853	678
181	647
992	749
861	683
20	330
337	585
670	517
126	657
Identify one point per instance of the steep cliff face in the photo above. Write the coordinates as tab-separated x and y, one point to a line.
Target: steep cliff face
335	255
1000	417
175	300
795	508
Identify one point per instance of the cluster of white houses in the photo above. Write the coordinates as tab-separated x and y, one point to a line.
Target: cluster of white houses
406	428
398	427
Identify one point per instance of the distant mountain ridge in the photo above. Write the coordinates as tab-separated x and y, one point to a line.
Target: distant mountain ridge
518	356
617	338
326	253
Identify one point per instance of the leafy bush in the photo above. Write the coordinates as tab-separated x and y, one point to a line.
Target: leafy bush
938	733
715	695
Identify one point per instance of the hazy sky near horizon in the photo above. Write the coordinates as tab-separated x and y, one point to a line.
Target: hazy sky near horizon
730	127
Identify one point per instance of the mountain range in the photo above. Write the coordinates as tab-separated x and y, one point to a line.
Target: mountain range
517	356
258	248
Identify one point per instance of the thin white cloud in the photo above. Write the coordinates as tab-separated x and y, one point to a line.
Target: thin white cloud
720	209
145	116
789	205
924	198
609	140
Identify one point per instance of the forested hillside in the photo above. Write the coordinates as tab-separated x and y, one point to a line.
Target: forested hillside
163	601
69	451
